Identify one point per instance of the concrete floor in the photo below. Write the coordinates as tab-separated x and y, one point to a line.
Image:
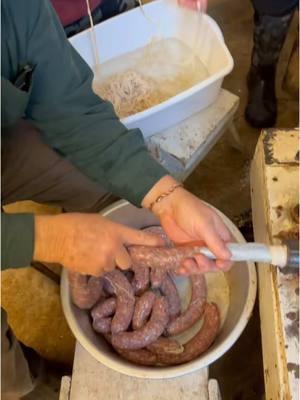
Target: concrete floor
222	179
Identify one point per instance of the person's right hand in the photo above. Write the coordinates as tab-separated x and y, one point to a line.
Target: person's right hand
86	243
194	4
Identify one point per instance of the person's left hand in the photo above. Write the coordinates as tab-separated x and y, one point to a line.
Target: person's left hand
185	218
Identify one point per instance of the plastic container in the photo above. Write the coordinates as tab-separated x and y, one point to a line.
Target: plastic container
131	30
240	297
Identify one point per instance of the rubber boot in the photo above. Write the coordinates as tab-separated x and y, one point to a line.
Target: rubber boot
269	36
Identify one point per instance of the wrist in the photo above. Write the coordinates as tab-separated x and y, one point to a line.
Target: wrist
161	194
47	241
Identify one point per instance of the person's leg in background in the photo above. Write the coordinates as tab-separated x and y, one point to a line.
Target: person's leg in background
33	171
106	9
271	22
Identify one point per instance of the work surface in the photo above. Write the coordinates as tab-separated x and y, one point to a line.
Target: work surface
275	207
93	381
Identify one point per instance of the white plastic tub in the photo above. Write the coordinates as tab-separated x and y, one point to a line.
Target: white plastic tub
131	30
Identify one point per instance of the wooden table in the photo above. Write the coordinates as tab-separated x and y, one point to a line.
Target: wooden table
275	197
179	149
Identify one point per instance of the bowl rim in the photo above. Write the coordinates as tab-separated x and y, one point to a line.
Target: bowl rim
172	371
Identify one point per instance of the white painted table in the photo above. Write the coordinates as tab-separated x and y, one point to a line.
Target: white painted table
93	381
179	149
275	193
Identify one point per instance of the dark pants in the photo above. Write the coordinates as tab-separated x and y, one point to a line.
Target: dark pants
33	171
107	9
274	7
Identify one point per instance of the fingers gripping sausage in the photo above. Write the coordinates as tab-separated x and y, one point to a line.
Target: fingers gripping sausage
142	310
158	230
169	290
140	280
194	310
200	342
149	332
85	290
125	300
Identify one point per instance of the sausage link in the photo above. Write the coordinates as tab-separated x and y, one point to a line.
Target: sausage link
149	332
100	312
140	357
104	309
107	288
165	345
125	300
169	290
85	290
102	325
142	310
140	282
194	310
167	258
157	275
200	342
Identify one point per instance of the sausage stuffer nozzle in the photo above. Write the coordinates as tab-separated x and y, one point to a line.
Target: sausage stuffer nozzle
281	256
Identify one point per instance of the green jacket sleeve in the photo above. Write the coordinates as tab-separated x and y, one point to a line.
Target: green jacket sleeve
73	120
17	231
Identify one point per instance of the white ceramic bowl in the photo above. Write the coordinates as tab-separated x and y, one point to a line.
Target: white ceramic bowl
241	281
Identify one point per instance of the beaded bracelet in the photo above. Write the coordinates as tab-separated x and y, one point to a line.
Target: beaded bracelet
163	195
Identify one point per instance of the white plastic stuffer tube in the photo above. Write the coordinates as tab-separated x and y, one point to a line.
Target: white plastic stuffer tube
256	252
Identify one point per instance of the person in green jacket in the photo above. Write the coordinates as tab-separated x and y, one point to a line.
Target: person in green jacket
63	145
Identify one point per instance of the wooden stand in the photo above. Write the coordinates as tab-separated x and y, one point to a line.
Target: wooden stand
275	193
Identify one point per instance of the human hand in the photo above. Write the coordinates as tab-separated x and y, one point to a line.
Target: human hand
86	243
185	218
194	4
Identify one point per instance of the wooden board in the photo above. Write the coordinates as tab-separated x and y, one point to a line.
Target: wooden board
180	148
274	192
